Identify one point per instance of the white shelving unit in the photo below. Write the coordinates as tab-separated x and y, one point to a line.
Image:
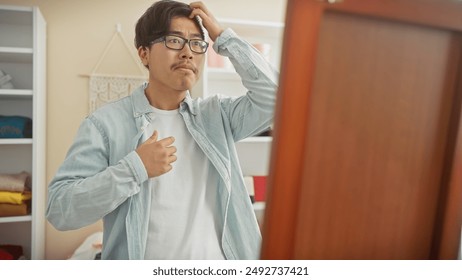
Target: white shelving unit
223	79
254	152
254	157
23	57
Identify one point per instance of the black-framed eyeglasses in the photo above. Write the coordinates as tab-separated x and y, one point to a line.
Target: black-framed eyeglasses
175	42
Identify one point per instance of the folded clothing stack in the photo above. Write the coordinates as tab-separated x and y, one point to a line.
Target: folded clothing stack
15	194
5	81
15	127
11	252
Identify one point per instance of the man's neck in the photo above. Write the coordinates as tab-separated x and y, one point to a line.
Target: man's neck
164	99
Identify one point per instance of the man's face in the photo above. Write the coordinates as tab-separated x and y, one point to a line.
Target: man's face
175	69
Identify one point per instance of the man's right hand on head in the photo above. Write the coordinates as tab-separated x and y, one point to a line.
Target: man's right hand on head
208	20
157	155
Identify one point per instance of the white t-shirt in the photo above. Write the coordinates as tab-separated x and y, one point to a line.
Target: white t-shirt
182	224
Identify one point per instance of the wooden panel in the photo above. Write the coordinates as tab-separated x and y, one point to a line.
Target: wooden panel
366	157
449	220
376	140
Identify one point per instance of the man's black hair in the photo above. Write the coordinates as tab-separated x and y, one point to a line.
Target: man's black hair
155	22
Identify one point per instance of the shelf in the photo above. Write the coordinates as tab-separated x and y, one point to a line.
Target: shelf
254	155
259	206
15	219
257	139
16	55
252	23
258	28
220	76
15	50
16	141
16	15
16	93
16	26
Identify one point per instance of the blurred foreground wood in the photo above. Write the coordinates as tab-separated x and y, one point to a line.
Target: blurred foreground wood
367	151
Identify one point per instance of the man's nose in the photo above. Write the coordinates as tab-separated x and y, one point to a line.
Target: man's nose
186	52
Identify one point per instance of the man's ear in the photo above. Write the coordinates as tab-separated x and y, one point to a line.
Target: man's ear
143	53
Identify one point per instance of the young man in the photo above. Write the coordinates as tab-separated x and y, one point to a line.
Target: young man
160	168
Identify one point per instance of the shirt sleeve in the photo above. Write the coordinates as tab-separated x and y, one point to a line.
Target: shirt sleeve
85	188
253	112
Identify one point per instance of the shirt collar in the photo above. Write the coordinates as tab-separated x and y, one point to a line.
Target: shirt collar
141	104
140	101
189	102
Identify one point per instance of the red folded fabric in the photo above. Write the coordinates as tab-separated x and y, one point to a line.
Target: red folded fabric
259	183
4	255
14	250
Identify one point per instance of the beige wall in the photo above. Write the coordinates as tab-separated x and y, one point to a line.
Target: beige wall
78	32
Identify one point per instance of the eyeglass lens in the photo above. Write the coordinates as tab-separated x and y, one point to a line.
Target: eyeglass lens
177	43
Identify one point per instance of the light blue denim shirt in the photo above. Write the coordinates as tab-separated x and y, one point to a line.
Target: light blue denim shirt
103	177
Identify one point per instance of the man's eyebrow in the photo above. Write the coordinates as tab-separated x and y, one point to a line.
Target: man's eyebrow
179	33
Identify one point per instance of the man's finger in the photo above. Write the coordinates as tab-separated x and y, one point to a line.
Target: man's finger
171	150
154	136
199	5
172	159
210	23
167	141
199	9
200	13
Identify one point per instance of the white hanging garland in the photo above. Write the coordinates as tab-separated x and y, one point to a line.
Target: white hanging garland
106	88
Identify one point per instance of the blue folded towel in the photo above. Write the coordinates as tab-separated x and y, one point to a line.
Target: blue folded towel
15	127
